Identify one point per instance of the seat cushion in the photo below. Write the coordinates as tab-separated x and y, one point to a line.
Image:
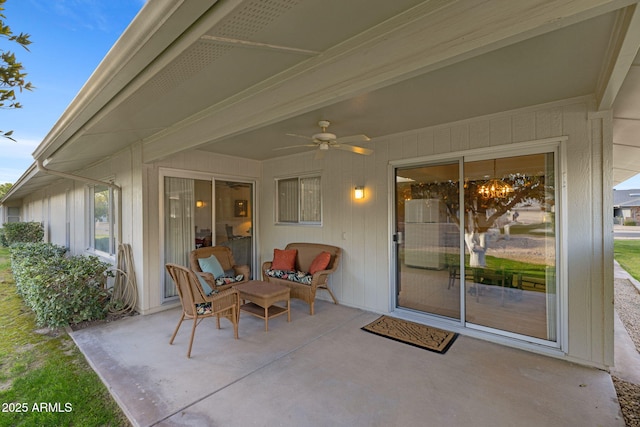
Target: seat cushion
225	280
291	275
211	265
284	259
320	262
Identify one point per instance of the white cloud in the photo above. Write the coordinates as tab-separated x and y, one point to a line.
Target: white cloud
20	149
15	158
90	15
11	175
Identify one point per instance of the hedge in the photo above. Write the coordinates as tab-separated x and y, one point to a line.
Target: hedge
21	232
60	290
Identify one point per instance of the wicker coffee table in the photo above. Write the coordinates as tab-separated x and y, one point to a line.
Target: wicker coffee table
262	296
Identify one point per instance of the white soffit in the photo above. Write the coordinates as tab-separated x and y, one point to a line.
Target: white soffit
371	61
266	67
626	127
558	65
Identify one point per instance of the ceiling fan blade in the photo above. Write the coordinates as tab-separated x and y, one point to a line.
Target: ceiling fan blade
295	146
299	136
353	149
319	154
353	138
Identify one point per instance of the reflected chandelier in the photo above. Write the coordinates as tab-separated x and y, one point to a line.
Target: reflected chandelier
495	188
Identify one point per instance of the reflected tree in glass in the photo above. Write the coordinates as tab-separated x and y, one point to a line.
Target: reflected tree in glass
484	211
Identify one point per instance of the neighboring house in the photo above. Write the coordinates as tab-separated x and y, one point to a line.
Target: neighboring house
506	107
626	206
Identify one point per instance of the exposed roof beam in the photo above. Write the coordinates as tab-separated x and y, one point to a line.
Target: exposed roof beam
622	51
625	145
258	45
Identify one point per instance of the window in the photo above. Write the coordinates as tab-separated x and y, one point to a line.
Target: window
299	200
13	214
101	226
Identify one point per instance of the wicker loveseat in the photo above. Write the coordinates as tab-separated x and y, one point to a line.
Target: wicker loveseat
302	284
225	257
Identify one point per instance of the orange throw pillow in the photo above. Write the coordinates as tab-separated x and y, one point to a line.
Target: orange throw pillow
284	259
320	262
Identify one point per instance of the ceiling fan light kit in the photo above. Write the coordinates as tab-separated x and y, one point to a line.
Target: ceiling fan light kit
324	137
324	141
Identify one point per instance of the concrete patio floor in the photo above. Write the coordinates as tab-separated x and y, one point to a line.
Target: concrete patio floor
323	370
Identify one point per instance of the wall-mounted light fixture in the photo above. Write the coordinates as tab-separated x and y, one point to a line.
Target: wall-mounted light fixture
358	193
199	203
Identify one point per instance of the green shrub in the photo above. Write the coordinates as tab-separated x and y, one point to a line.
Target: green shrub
629	222
22	232
60	290
27	259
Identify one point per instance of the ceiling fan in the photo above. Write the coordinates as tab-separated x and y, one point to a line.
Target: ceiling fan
324	141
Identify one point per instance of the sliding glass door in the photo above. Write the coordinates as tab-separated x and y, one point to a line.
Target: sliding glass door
476	241
205	212
234	219
510	244
427	236
179	225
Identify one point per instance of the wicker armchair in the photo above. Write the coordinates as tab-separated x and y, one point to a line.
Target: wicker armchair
224	255
196	305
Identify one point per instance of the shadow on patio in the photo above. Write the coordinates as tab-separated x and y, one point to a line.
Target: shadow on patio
323	370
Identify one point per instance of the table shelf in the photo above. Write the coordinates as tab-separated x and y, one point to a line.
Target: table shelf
256	310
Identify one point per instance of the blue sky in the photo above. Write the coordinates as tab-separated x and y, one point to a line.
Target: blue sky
69	39
630	184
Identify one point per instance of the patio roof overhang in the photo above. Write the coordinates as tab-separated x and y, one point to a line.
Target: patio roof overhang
234	76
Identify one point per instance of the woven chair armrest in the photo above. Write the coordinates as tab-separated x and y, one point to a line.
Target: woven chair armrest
320	277
224	299
265	266
242	269
206	276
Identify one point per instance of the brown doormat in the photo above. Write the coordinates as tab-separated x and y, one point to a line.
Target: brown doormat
432	339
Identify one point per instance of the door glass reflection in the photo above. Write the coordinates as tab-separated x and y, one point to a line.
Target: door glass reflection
510	244
428	234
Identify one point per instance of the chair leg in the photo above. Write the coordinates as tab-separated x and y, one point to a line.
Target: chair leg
176	331
236	319
311	308
335	301
193	332
452	277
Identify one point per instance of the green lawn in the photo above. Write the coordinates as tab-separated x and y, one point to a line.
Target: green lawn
524	268
44	379
627	253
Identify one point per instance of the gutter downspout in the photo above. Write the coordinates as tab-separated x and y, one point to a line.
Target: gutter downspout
111	185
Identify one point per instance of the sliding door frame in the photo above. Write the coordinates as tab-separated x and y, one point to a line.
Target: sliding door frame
554	145
202	176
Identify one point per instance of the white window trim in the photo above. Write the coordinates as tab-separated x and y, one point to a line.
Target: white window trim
90	226
277	221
